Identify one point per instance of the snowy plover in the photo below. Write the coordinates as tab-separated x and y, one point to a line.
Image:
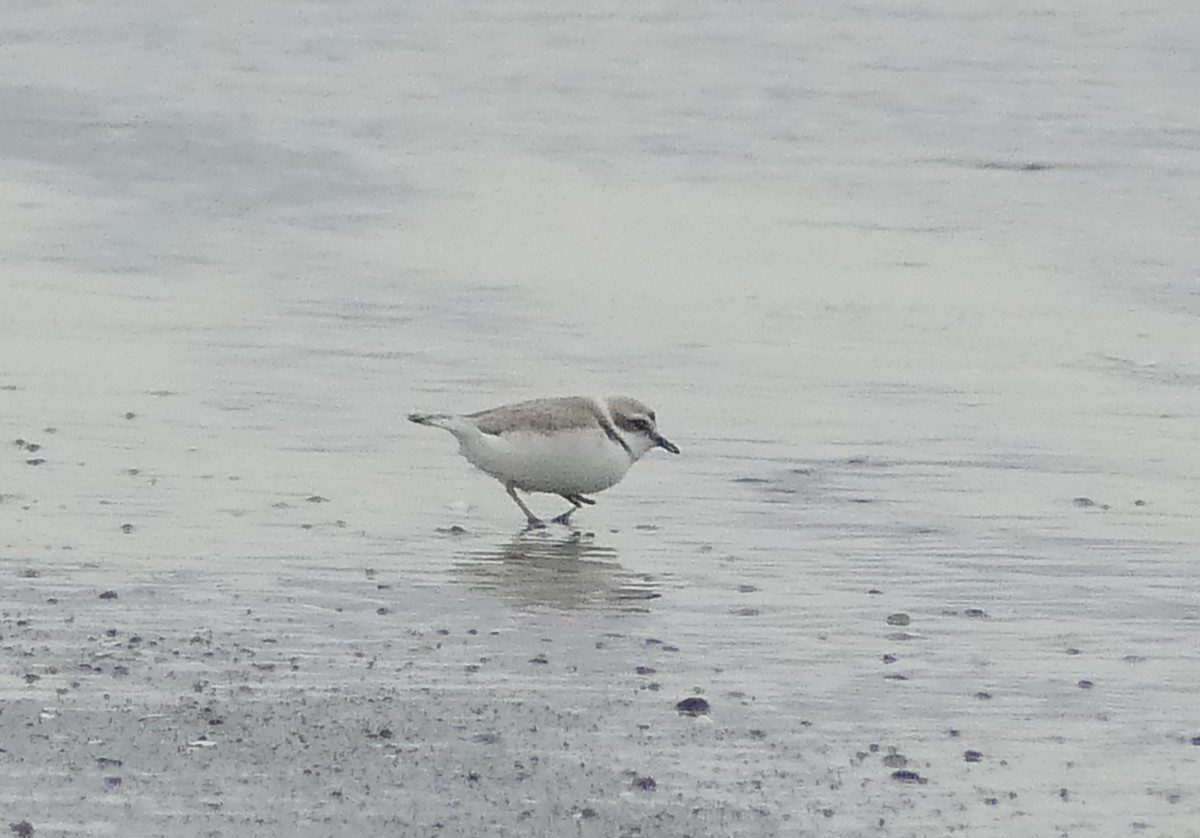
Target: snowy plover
568	447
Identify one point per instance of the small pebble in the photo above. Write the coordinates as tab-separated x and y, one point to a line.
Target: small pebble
975	613
1086	684
693	706
982	695
127	528
898	619
906	776
889	658
972	756
108	595
645	783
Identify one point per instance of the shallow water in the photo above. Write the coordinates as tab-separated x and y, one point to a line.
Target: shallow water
913	290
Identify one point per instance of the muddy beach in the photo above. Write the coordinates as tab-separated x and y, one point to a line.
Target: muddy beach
916	304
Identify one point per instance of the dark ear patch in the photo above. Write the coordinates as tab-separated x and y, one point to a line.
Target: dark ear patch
650	413
612	434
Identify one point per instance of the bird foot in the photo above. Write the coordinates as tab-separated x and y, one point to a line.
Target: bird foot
565	518
535	524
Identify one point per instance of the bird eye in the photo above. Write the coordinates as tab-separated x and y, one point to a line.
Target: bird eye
640	423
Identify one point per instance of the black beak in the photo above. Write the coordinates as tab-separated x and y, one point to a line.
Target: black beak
663	442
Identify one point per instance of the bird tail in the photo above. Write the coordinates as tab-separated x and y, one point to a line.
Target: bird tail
445	421
433	419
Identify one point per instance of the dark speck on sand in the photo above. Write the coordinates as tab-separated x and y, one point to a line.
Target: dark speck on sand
693	706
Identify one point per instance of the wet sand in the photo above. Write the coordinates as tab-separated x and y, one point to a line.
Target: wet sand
302	645
926	344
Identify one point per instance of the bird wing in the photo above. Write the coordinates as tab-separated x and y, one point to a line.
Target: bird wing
538	415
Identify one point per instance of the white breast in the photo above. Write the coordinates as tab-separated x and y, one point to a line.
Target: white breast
578	461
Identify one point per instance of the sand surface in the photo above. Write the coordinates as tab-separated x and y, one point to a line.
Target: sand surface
914	290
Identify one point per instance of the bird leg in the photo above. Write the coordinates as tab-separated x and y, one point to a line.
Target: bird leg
576	502
535	523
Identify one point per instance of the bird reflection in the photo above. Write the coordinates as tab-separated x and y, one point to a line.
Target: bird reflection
536	569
